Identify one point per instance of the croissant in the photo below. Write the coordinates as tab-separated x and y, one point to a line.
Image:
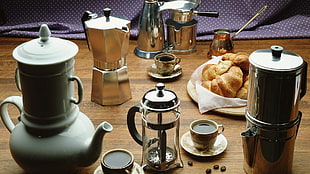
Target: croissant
243	91
227	84
210	71
240	59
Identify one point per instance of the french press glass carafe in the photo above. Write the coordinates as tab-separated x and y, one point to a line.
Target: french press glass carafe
160	115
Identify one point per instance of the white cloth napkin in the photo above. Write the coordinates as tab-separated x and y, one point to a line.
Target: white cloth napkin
208	100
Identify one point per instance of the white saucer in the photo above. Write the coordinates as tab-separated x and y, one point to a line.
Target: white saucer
219	146
137	169
152	71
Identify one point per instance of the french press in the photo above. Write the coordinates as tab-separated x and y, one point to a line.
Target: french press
160	113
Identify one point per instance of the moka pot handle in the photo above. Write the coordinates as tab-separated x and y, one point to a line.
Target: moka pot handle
6	119
132	125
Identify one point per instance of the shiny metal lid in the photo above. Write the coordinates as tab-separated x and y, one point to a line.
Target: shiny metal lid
45	50
108	22
160	99
108	39
276	59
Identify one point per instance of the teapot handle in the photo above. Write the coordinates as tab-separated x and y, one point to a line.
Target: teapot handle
131	123
15	100
80	90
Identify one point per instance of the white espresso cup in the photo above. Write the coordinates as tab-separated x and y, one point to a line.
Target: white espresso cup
204	133
165	63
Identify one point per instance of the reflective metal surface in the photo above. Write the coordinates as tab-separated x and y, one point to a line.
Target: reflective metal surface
221	43
108	39
277	82
268	148
275	85
151	38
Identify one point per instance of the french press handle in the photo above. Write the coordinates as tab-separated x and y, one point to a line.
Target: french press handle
132	125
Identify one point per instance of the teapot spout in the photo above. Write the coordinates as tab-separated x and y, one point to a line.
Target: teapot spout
93	149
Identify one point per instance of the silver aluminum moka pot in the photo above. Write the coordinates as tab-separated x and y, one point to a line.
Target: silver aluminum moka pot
277	82
182	28
108	39
151	37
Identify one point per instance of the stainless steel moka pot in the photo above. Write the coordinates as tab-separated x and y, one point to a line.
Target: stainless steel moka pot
277	82
108	39
182	28
151	37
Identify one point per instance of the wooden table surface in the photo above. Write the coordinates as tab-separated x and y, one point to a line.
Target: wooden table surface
140	83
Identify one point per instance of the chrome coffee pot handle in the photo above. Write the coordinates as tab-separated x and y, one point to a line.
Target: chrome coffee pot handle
304	79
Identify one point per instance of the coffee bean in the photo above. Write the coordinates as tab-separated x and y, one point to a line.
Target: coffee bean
223	168
208	171
190	163
216	167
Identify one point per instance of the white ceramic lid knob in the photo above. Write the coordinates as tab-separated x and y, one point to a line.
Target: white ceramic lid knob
44	33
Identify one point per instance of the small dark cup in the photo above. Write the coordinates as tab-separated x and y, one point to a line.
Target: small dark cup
165	63
117	161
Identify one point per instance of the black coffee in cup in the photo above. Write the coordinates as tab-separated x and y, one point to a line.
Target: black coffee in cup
165	58
204	133
117	159
204	128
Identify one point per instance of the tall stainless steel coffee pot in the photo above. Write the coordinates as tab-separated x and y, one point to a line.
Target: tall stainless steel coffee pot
277	82
108	39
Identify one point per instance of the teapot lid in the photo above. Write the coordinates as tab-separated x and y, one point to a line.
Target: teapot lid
276	59
160	99
45	50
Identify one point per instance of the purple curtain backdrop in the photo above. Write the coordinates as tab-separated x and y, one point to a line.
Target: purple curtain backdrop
282	19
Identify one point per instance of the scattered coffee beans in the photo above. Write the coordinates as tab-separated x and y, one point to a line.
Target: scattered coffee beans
216	167
208	171
190	163
223	168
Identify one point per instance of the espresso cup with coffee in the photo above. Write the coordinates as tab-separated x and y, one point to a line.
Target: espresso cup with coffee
204	133
165	63
117	161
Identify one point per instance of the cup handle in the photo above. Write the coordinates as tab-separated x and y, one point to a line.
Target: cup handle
132	125
177	60
15	100
17	79
80	90
220	128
